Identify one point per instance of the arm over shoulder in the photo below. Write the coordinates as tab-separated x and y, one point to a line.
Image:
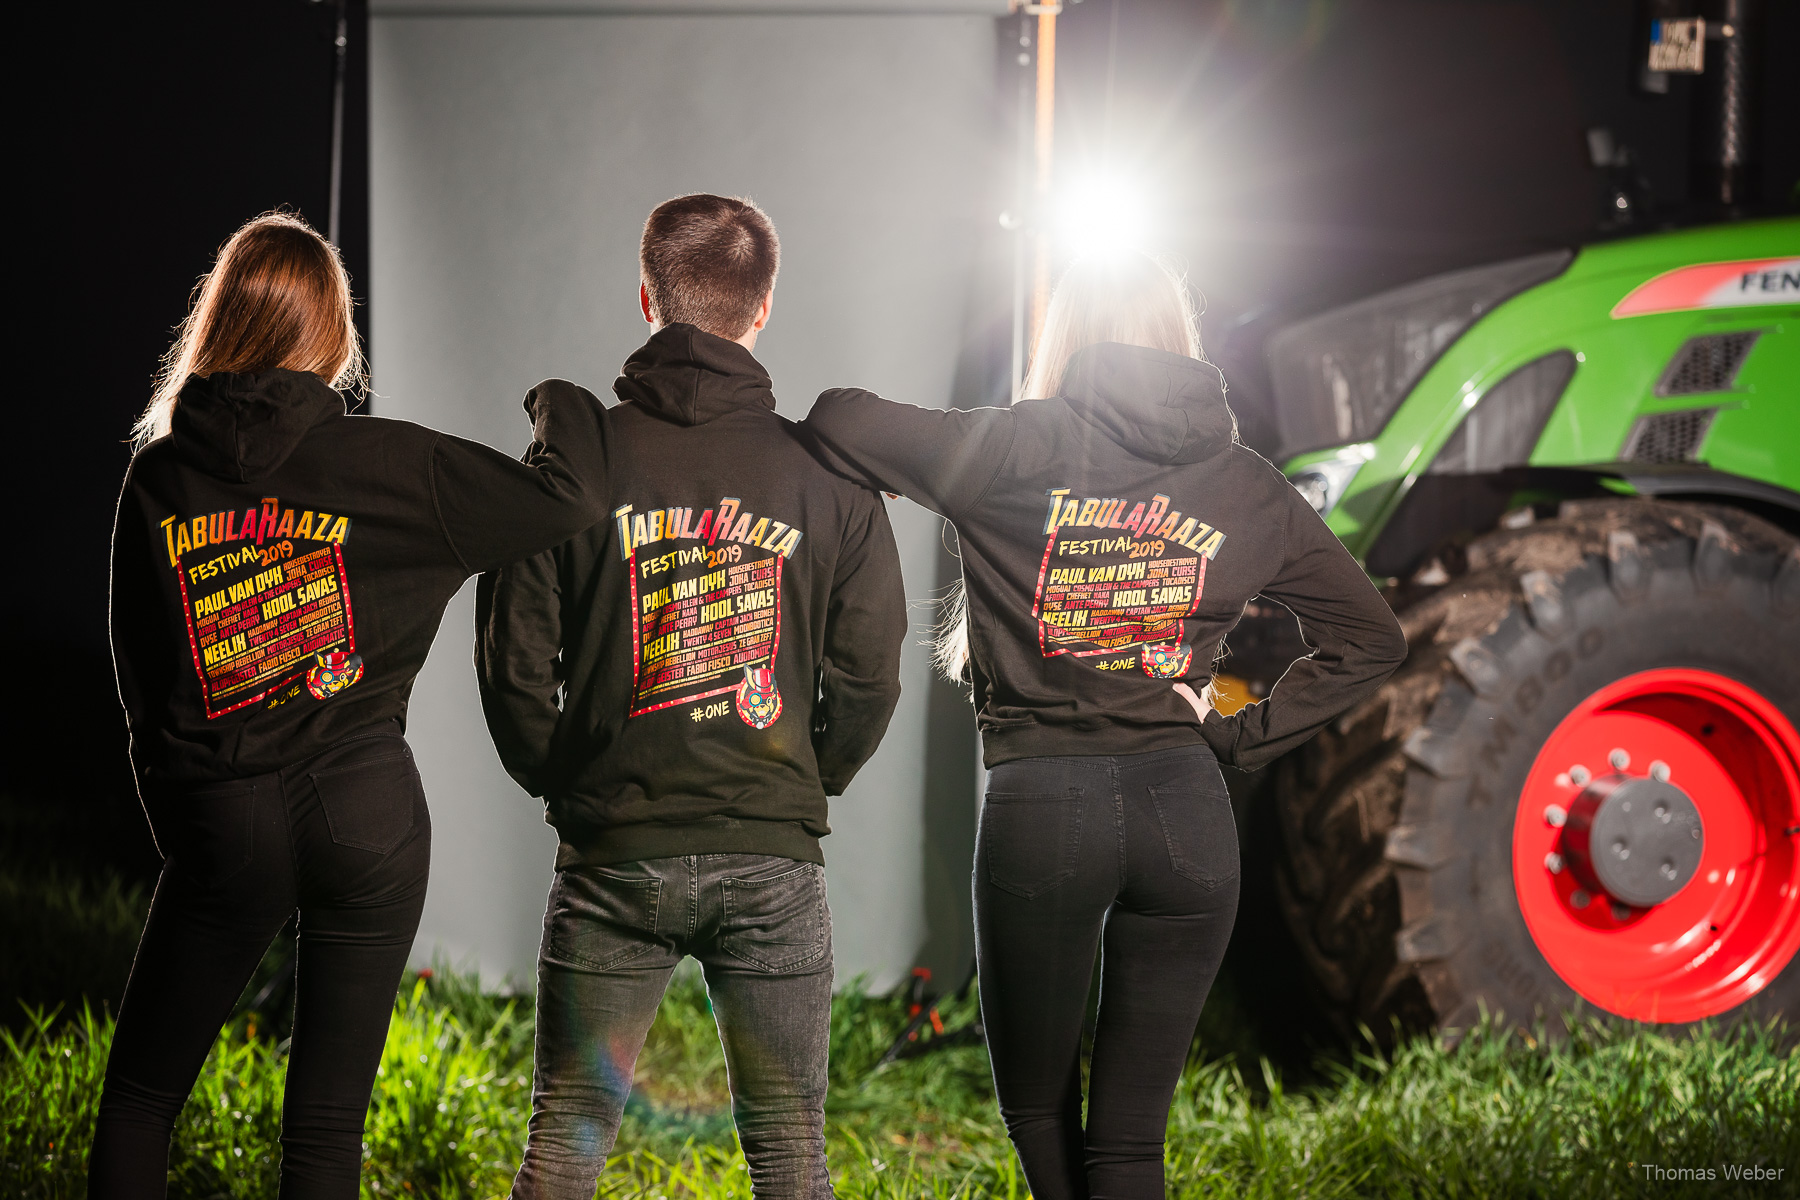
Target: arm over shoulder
945	459
495	510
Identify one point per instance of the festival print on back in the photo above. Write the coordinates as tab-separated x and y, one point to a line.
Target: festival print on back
1118	576
266	601
706	617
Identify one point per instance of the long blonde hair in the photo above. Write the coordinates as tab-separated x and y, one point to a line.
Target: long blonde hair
277	296
1129	298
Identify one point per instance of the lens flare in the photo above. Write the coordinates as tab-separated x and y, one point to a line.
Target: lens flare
1103	215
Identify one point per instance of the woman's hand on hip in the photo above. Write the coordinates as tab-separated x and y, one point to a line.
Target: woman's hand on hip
1200	705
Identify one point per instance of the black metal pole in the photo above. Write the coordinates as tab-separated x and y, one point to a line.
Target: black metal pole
1725	167
1023	213
342	44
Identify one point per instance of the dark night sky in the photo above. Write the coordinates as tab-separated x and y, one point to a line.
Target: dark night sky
1306	152
170	126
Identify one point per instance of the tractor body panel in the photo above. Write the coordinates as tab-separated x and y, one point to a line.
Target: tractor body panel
1742	421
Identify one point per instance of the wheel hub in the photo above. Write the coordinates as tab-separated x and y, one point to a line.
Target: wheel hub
1638	840
1656	845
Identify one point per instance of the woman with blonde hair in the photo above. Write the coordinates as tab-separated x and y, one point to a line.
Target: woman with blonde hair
279	571
1112	529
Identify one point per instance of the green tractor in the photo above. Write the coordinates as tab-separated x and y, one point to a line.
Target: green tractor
1577	477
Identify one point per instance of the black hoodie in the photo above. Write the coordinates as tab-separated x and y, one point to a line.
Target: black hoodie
1110	539
280	567
698	673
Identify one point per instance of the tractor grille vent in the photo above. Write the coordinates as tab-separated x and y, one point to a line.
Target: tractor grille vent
1707	364
1668	437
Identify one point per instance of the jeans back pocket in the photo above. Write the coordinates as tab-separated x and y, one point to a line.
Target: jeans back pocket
209	833
1030	842
371	805
1200	832
777	924
601	920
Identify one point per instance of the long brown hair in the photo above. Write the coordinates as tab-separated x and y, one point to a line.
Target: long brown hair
277	296
1131	298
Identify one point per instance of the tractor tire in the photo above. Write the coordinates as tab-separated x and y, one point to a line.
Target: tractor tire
1414	870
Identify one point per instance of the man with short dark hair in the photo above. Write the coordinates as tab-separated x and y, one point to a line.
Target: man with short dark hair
685	684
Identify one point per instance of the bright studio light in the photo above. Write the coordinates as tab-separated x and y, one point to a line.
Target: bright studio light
1104	215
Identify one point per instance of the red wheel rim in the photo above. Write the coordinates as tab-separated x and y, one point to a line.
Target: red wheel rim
1735	924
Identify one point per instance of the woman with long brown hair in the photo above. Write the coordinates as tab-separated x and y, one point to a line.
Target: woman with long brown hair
1112	530
280	568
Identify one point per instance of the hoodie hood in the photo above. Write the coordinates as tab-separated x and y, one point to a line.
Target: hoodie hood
1167	408
240	428
688	376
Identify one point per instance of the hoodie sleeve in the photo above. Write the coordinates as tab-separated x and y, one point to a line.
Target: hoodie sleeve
859	672
495	510
945	459
1356	644
518	663
137	628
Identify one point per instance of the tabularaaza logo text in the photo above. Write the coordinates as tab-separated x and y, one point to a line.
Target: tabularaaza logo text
1154	519
726	523
272	523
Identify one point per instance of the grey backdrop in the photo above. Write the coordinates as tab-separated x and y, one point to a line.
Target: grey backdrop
515	152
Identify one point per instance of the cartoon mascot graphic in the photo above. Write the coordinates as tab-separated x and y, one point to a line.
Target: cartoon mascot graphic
332	672
1168	661
758	699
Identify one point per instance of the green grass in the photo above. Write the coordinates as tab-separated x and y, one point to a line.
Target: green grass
64	938
1499	1115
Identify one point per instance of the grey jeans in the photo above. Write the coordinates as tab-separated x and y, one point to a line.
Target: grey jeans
613	935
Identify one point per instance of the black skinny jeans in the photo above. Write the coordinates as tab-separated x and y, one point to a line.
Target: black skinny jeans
345	838
1136	854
